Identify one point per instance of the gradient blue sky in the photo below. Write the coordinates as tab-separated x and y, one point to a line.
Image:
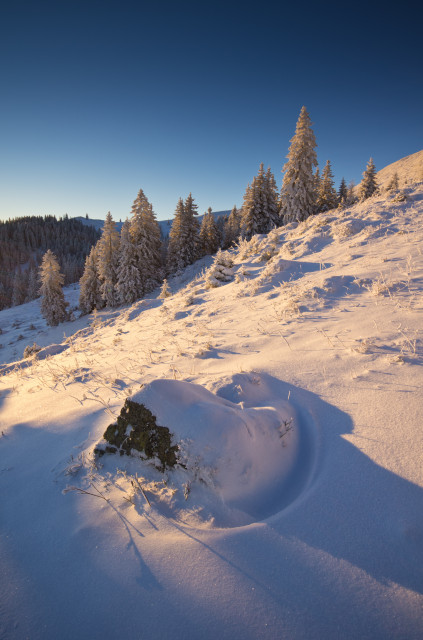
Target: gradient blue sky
100	99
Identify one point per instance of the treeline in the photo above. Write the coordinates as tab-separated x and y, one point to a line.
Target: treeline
23	242
122	268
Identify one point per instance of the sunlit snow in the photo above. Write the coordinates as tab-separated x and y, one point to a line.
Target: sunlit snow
295	393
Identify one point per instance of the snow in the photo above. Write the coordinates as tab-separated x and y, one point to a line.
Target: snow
409	170
315	534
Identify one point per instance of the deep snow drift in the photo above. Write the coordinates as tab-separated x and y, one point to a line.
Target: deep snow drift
294	392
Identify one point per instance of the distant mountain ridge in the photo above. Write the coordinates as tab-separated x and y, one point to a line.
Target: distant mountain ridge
165	225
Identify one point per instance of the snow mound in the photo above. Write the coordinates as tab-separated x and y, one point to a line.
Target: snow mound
234	459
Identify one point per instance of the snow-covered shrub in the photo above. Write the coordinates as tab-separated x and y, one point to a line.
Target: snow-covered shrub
247	248
346	229
31	350
165	291
189	300
220	271
401	196
268	254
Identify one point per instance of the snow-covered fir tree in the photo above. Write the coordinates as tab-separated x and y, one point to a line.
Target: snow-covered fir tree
326	195
146	238
192	229
342	192
108	262
260	210
220	271
184	235
271	198
53	305
175	261
317	180
20	286
128	276
298	195
368	185
351	196
165	292
209	236
393	184
232	228
90	297
252	222
33	285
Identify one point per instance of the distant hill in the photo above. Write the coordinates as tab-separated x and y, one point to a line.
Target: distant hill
165	225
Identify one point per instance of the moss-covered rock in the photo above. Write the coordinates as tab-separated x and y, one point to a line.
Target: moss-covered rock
136	428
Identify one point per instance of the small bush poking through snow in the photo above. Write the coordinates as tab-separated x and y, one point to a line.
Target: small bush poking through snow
31	350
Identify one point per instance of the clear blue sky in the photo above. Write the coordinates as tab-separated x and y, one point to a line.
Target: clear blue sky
100	99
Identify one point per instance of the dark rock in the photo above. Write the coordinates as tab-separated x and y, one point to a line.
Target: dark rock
136	428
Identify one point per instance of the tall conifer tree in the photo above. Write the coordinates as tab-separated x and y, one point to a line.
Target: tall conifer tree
326	195
128	275
146	239
298	195
90	297
342	192
209	237
368	185
184	236
108	262
53	305
260	209
232	229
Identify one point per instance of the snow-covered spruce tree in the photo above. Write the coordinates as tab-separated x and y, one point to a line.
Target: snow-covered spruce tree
174	261
209	237
252	205
20	285
90	297
272	197
192	229
108	262
351	197
259	210
33	285
368	185
146	239
326	195
183	237
342	193
298	195
317	181
220	271
232	228
165	291
128	276
53	305
393	184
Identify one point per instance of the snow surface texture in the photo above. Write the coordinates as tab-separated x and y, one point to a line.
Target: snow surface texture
314	534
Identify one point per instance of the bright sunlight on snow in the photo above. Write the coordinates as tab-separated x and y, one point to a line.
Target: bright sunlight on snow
292	389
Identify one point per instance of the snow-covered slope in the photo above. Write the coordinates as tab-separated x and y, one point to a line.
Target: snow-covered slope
295	393
409	170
